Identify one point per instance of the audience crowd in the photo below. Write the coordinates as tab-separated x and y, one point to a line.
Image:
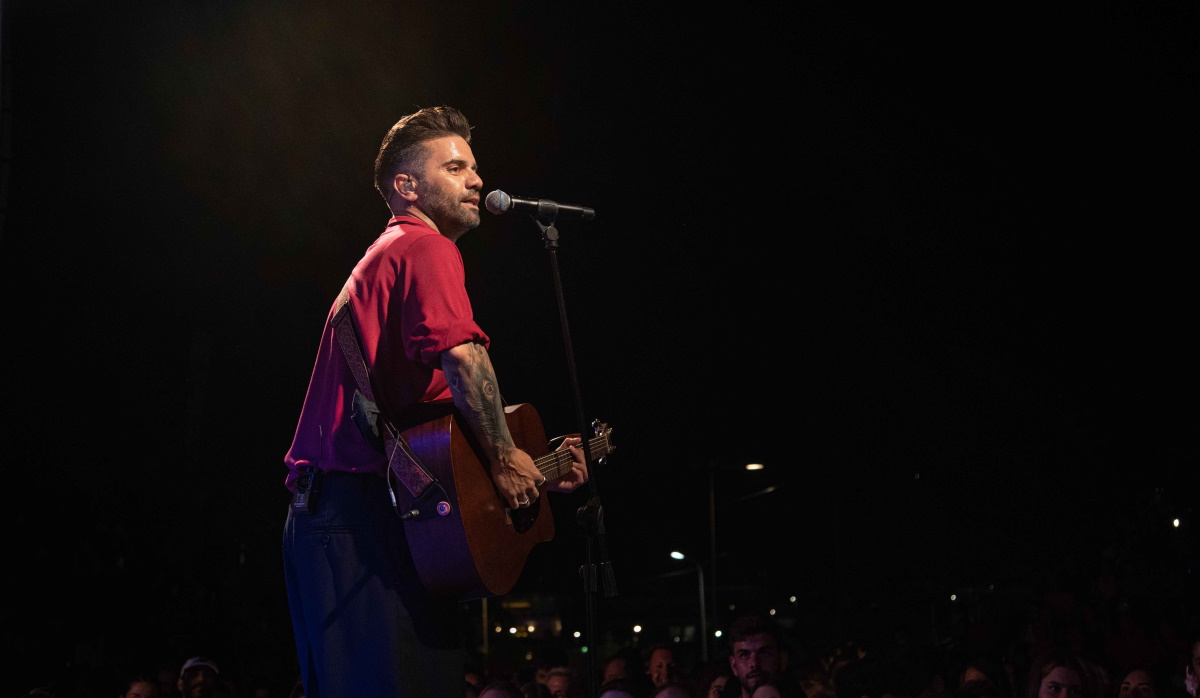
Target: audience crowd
1055	657
1120	633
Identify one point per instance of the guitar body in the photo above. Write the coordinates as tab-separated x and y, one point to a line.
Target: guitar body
478	549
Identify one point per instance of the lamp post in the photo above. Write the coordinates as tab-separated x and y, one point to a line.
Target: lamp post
676	555
712	523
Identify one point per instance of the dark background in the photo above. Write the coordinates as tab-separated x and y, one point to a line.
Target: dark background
931	267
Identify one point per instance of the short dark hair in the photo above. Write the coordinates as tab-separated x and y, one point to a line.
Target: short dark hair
746	626
403	146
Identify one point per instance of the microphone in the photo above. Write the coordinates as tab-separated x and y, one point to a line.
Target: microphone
498	202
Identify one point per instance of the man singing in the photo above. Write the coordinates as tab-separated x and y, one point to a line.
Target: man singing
363	623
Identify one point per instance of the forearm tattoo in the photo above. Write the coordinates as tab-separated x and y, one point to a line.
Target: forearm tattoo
476	394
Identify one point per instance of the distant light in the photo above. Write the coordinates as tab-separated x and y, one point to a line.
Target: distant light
717	634
530	628
771	612
916	476
732	607
583	649
577	633
676	555
499	629
512	631
953	597
676	638
637	628
755	466
1175	523
529	656
792	599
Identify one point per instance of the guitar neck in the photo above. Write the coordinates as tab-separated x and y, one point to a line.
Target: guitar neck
558	463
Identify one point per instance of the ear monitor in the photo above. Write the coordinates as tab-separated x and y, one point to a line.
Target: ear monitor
408	186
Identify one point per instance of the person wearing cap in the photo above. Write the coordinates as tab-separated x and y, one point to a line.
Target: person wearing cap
198	678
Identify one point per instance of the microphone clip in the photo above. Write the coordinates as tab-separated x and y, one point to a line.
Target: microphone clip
549	232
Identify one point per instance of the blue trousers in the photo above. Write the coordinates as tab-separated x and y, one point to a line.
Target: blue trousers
364	624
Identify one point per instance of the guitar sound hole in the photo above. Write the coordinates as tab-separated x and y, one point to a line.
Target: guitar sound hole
523	519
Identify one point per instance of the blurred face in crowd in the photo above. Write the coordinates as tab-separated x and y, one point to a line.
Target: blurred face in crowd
1137	684
198	682
1196	660
755	661
1061	682
615	669
141	689
662	667
718	685
558	684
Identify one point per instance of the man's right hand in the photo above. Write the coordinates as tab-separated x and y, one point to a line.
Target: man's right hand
516	478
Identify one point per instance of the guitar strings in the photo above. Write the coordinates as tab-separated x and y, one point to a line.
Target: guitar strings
554	460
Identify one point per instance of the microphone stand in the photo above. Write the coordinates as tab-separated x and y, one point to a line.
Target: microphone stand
589	517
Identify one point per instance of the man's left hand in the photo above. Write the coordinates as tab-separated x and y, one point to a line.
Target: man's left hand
578	475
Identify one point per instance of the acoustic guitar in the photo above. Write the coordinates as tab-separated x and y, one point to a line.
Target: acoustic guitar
476	547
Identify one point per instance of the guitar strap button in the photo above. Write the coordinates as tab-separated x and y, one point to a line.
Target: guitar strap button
443	508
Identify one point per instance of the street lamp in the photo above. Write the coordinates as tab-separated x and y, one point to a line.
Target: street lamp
676	555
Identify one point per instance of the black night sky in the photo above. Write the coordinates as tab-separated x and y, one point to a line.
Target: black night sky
929	266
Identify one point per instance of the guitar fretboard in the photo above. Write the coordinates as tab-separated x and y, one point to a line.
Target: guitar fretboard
558	463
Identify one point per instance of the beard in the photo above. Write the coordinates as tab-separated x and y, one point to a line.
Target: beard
446	209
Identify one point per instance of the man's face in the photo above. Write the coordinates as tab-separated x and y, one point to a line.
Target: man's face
755	661
198	682
558	685
662	666
448	189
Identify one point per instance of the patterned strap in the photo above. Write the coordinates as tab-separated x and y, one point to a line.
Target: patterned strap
401	460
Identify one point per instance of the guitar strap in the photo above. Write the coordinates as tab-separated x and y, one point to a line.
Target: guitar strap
373	422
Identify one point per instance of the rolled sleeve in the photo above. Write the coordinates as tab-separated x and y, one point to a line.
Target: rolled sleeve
437	313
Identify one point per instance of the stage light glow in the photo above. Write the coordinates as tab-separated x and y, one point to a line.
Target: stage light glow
512	631
954	597
1175	523
755	466
676	555
577	633
637	628
717	634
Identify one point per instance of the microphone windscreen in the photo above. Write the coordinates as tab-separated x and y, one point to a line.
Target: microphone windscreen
498	202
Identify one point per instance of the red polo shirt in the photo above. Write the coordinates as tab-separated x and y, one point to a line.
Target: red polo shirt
410	302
